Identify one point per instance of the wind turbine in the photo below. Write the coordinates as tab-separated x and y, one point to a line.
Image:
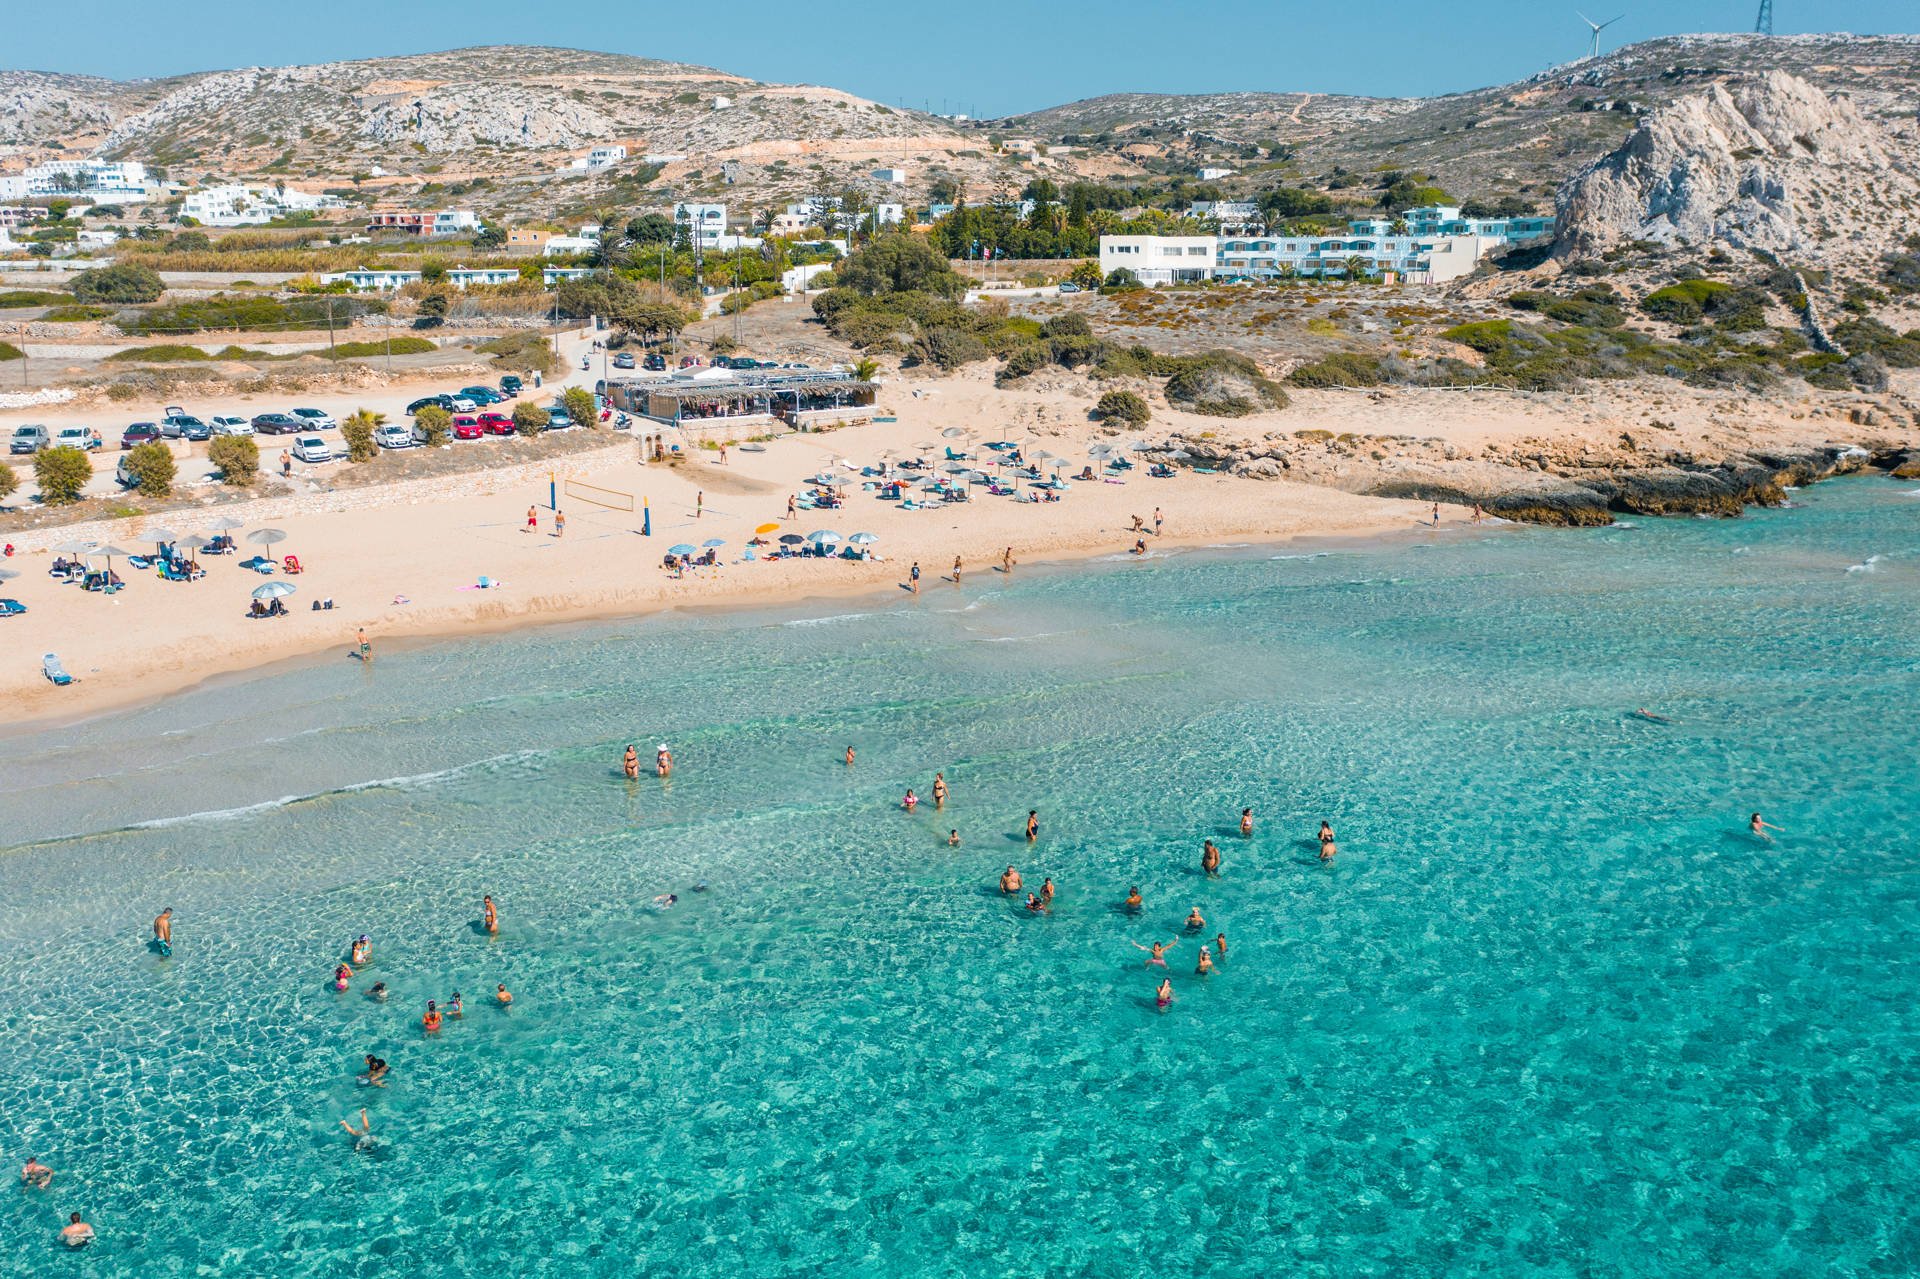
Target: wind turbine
1593	50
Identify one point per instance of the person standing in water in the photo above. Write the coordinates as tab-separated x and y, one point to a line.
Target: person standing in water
1046	892
663	761
163	926
1033	824
1133	903
1210	858
939	791
489	916
1163	997
1220	946
1195	920
913	577
630	763
1156	953
1006	560
849	757
1205	965
76	1233
1758	827
501	995
1327	849
430	1020
953	839
366	649
36	1174
1010	882
1246	821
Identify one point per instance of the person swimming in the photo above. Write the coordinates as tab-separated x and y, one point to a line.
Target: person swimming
376	1072
911	801
953	839
362	950
663	761
362	1136
1220	946
1046	891
1163	997
1195	920
849	757
1156	953
378	992
1133	902
1650	717
1205	965
501	995
36	1174
1010	881
489	916
1035	905
341	975
630	762
1760	828
76	1233
1210	857
664	900
430	1020
1033	824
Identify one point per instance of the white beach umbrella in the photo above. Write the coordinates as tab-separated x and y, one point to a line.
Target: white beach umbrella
863	539
274	590
159	536
75	547
953	432
267	536
823	537
226	523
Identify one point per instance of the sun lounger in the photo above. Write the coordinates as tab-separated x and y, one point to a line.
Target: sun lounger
259	564
11	608
55	671
290	564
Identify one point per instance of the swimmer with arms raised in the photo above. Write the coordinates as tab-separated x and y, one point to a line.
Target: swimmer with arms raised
1156	953
1205	965
1163	997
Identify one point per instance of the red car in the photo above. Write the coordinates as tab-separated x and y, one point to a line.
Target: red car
496	424
466	427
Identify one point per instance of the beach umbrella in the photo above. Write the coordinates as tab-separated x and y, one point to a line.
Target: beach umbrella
863	539
931	485
196	542
714	543
267	537
108	552
6	573
823	536
75	548
953	432
683	548
791	539
1100	450
764	529
957	468
161	536
274	590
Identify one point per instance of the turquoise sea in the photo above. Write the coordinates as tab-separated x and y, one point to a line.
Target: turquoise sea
1552	1011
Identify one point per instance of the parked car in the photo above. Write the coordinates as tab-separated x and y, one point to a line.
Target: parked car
437	401
655	363
139	433
83	438
124	477
490	424
510	386
315	419
391	435
311	448
228	424
275	424
29	439
184	426
558	419
1068	286
482	395
624	360
461	404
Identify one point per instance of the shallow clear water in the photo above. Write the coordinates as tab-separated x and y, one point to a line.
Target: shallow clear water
1550	1012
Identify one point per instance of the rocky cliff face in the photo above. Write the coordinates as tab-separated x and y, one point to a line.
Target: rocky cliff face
1761	162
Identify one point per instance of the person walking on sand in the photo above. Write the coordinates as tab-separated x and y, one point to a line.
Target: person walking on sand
1158	520
913	577
792	510
956	570
533	519
1436	515
1210	858
630	763
699	503
489	916
559	523
939	791
1006	560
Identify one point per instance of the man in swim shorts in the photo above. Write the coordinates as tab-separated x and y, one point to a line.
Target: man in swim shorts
76	1233
163	926
1210	858
1010	881
36	1174
501	995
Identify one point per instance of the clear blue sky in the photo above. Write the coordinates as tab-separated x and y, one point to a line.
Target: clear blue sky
990	57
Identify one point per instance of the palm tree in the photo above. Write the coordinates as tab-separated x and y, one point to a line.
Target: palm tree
866	368
1358	268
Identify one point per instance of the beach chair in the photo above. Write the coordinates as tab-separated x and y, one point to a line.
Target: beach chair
259	564
290	564
11	608
50	664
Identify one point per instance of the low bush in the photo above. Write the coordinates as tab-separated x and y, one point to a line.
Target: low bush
9	481
1125	407
1222	384
224	312
437	424
528	352
62	474
11	298
529	419
76	314
236	457
357	431
1342	368
8	351
122	282
1684	301
152	469
367	350
951	347
1023	360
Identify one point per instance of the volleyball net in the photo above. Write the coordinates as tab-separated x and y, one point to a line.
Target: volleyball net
612	499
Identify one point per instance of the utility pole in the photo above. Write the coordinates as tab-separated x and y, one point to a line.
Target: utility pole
329	328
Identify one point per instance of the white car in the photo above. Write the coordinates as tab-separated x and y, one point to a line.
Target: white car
227	424
311	448
393	436
461	404
313	419
75	437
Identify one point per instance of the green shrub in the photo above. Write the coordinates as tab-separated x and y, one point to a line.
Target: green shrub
122	283
76	314
9	481
203	314
1023	360
1482	335
1683	302
364	350
62	473
357	431
1086	274
951	347
31	297
1072	323
8	351
529	419
437	424
1121	280
1122	406
526	351
151	466
1343	368
1222	384
158	355
580	406
236	457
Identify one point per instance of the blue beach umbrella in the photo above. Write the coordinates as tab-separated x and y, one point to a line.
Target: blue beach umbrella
714	543
682	549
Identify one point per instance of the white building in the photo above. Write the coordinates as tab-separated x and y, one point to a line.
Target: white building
95	239
1234	216
101	181
600	158
889	214
236	205
1213	175
558	244
13	186
1159	259
704	223
1414	259
893	176
722	103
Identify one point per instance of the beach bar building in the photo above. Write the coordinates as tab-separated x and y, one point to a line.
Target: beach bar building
723	401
